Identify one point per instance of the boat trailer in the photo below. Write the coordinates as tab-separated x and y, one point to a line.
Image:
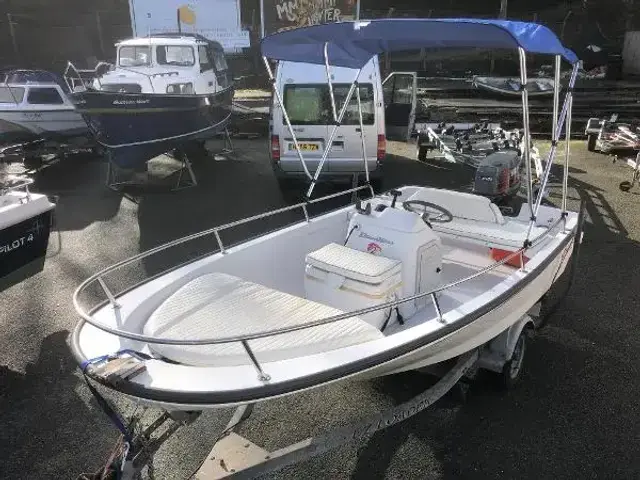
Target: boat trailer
42	153
236	457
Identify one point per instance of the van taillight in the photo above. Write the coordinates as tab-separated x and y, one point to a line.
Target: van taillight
382	147
275	148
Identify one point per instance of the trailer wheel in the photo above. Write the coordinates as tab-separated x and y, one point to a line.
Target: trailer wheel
422	154
591	142
512	370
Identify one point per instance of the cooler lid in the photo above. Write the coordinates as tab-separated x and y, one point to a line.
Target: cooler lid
353	264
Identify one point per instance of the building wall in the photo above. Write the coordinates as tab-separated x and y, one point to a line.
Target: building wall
631	54
48	33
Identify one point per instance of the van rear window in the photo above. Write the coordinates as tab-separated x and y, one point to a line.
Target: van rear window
310	104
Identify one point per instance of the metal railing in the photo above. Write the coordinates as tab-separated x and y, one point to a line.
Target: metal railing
71	68
112	299
23	183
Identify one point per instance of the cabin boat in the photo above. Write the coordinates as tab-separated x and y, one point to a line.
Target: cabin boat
34	105
398	281
164	92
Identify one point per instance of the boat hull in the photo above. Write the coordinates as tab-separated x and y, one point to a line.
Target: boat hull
30	125
136	127
24	242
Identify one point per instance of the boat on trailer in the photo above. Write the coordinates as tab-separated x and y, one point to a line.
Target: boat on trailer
166	91
398	281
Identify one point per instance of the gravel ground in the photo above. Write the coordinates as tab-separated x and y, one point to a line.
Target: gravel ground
574	416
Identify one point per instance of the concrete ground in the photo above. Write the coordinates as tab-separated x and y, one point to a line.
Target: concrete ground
576	414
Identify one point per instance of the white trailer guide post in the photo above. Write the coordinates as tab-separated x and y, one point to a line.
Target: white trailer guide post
118	345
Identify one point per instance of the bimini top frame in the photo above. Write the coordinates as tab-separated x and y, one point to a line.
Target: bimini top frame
352	44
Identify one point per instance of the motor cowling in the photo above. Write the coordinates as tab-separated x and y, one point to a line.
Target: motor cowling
498	174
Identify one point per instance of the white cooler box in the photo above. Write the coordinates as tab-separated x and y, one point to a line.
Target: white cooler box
349	279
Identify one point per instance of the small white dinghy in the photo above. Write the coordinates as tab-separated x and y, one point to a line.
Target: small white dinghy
536	87
406	279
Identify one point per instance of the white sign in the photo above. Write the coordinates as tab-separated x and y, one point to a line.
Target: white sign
217	20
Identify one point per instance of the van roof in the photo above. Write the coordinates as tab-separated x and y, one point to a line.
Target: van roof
298	72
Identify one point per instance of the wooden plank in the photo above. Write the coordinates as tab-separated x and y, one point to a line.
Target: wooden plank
231	454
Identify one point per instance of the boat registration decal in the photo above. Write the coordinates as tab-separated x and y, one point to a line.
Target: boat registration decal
138	101
376	239
309	147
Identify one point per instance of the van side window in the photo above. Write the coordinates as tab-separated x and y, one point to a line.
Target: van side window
205	61
46	96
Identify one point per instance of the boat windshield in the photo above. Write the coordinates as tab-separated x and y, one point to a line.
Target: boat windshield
177	55
134	56
310	104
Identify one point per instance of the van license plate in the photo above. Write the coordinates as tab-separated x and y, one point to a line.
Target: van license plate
305	147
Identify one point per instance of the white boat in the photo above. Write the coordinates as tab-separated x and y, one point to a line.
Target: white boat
25	225
536	87
403	280
34	105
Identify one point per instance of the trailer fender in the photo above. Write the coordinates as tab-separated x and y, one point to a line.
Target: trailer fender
499	350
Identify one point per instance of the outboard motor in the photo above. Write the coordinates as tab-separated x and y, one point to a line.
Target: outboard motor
499	175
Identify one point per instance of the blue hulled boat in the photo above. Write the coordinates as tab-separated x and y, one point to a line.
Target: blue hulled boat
164	92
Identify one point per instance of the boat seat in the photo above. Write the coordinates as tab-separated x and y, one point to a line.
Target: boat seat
476	218
218	305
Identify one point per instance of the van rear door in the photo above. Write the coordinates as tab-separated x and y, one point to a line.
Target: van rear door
307	109
346	150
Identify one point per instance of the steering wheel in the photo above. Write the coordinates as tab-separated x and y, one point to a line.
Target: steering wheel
430	211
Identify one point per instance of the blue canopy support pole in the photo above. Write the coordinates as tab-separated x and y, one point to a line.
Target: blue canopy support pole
286	116
564	114
556	93
567	148
525	125
364	148
327	148
328	68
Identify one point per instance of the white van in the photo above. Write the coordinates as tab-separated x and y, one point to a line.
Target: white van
305	93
